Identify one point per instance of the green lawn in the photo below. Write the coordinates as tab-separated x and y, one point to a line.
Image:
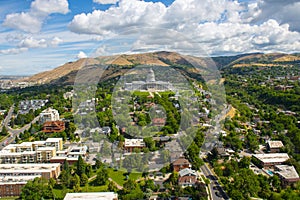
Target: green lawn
9	198
60	193
120	176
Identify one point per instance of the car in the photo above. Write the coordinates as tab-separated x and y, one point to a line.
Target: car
218	194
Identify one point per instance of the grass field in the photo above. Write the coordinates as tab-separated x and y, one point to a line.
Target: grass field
120	176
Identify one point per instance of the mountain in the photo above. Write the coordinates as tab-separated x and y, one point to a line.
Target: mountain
66	73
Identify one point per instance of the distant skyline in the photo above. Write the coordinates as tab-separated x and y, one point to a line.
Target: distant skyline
40	35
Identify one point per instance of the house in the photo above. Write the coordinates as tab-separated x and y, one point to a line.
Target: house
287	174
180	164
158	121
270	159
274	146
187	177
222	152
131	144
53	126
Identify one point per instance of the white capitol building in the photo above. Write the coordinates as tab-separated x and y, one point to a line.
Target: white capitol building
149	85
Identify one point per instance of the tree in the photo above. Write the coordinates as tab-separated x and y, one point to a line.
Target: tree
37	189
80	166
244	162
112	187
65	178
76	183
4	131
102	176
98	164
84	180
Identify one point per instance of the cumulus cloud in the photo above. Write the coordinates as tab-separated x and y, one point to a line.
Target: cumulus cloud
81	54
50	6
23	21
281	11
30	42
13	50
33	43
128	14
220	26
56	41
106	1
32	21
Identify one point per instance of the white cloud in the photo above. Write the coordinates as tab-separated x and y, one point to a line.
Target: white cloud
220	26
56	41
106	1
13	50
23	21
50	6
281	11
33	43
32	21
128	14
81	54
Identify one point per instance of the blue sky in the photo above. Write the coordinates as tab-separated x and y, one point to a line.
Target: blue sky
38	35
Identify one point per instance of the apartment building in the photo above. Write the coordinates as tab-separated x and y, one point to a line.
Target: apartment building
49	115
14	176
31	152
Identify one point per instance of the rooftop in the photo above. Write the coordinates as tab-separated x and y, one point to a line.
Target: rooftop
54	140
181	161
286	171
134	143
275	144
92	195
16	179
187	172
272	157
27	167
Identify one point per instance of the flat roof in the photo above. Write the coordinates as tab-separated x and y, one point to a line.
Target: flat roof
54	139
286	171
45	148
134	143
4	180
275	144
28	167
91	195
272	157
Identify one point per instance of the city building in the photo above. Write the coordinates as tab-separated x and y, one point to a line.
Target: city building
287	174
131	144
11	186
149	85
187	177
92	195
274	146
70	155
270	159
14	176
49	115
180	164
53	126
31	152
55	142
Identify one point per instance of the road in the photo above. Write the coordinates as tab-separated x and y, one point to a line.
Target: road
216	191
14	132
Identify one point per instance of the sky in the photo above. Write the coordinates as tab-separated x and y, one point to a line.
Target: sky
39	35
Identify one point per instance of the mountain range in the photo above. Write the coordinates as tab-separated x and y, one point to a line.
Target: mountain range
66	74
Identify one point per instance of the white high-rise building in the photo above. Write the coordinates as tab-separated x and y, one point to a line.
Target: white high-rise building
49	115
